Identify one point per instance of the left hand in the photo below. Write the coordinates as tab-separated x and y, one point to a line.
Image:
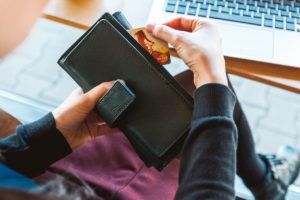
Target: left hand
76	119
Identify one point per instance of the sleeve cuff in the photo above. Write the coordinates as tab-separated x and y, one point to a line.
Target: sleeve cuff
46	142
213	100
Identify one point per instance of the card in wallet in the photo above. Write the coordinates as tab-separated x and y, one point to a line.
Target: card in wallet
158	119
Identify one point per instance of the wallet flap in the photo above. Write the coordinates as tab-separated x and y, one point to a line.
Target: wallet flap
115	102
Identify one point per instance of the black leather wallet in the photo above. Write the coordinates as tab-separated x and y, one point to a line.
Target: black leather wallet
152	110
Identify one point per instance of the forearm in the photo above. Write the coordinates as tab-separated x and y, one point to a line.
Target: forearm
208	162
34	147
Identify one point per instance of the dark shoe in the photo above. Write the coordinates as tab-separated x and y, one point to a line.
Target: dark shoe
282	171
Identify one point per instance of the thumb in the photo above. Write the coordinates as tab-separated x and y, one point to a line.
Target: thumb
163	32
92	96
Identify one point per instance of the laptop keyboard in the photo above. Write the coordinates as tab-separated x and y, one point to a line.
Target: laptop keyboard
278	14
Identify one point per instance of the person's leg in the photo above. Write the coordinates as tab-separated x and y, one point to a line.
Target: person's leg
267	176
250	167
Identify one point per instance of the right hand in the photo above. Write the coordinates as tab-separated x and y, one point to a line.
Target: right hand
198	43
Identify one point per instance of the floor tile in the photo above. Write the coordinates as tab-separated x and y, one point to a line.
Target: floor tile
281	116
55	94
269	141
253	93
31	87
254	116
10	68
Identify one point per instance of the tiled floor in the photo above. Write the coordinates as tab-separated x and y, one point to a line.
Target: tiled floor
31	71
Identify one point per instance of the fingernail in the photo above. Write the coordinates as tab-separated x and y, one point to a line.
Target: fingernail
106	85
150	27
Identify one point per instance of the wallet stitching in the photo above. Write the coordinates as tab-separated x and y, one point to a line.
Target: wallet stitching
122	109
119	107
70	52
162	78
155	71
187	127
105	96
137	45
134	52
84	84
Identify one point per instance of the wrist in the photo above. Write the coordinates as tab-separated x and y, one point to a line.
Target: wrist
206	78
56	117
210	71
58	125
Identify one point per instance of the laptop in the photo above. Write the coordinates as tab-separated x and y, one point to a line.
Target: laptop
260	30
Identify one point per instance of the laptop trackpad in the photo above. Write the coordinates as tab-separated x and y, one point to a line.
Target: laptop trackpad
287	46
247	42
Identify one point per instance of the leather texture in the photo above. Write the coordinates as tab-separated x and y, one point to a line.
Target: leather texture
115	102
119	16
157	122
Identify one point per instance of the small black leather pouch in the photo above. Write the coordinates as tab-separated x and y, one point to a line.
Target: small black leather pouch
157	110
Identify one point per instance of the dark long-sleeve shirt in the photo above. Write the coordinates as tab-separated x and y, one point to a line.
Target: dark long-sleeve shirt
34	147
208	162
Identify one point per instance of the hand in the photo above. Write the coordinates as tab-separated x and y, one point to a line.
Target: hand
76	119
198	43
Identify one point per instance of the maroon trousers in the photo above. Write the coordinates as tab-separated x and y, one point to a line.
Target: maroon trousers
113	169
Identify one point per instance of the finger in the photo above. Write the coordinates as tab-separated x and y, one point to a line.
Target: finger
74	94
163	32
186	24
77	92
182	24
97	92
105	129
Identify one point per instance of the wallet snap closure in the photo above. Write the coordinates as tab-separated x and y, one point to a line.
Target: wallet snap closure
115	102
